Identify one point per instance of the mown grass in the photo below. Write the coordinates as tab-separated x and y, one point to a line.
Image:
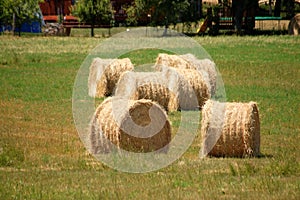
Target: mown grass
42	157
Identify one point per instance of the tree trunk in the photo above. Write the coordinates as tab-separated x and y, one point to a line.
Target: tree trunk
237	7
63	8
166	27
290	7
277	8
19	22
56	7
93	19
14	23
200	8
92	30
19	31
270	7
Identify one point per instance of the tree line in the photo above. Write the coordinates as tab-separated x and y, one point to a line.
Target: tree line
17	12
150	12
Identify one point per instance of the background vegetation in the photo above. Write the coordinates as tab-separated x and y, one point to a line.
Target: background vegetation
42	157
16	12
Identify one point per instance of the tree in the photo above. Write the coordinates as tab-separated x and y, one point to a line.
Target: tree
239	7
17	12
162	12
277	8
290	8
94	12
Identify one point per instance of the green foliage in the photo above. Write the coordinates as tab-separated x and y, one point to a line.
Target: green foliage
160	12
289	5
23	11
93	11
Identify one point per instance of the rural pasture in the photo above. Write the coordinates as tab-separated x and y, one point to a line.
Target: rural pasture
42	157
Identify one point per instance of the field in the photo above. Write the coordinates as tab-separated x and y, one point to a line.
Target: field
42	157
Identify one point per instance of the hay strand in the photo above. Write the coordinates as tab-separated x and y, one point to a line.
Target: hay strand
132	125
235	134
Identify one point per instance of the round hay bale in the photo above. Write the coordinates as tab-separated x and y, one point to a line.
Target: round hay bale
97	77
188	61
132	125
294	25
171	61
149	85
230	129
193	91
207	69
104	74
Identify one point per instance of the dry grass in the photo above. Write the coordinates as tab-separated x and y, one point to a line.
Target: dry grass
132	125
230	129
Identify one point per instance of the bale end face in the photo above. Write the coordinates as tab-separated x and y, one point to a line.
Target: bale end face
131	125
104	74
114	71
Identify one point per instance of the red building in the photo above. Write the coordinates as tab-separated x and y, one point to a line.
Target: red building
51	9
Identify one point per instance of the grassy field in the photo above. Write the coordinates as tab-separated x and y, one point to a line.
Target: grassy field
42	157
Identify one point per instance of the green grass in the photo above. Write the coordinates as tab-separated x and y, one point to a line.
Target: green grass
42	157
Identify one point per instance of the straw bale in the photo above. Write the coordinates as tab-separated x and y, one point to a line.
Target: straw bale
156	86
193	91
294	25
96	76
188	61
104	74
171	61
206	67
235	134
132	125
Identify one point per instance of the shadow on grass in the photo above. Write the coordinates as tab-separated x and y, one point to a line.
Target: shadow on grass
243	157
265	156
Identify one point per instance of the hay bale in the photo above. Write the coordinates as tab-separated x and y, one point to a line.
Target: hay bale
160	87
104	74
294	25
193	89
206	67
188	61
171	61
174	89
132	125
97	77
230	129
